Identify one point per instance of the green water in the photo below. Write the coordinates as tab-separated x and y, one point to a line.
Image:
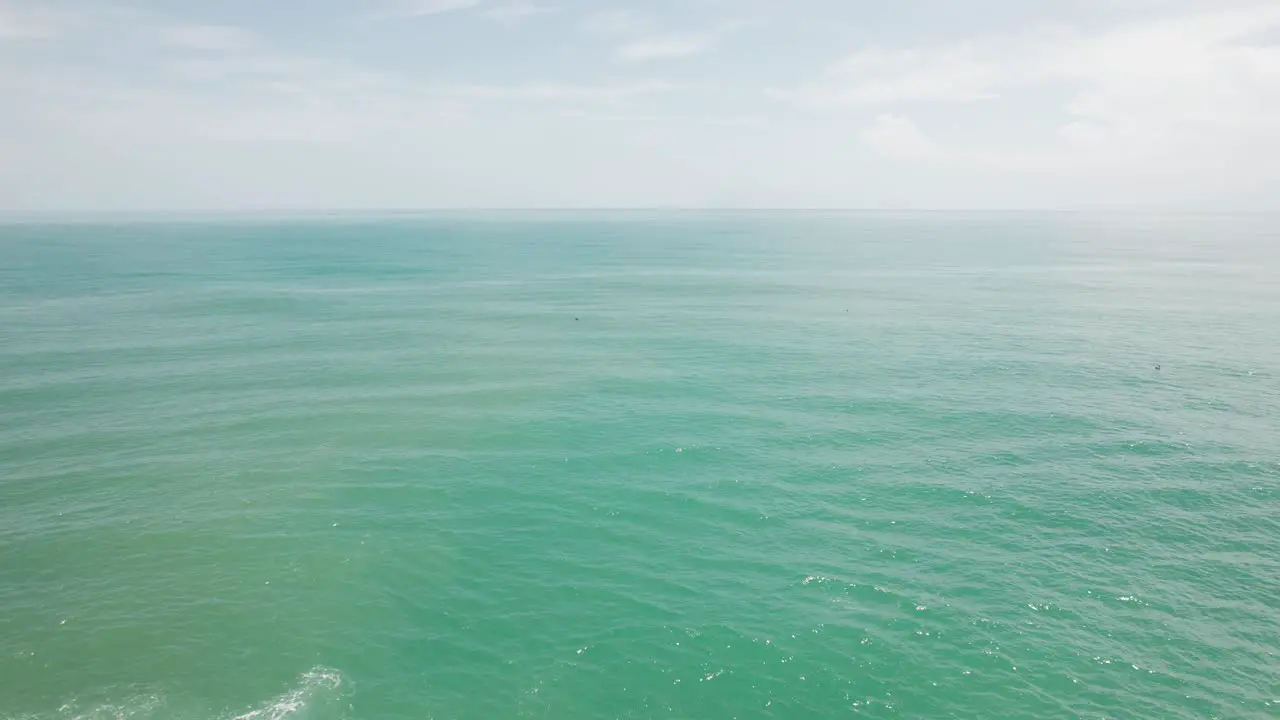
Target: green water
641	466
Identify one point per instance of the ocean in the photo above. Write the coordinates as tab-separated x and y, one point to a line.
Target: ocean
640	465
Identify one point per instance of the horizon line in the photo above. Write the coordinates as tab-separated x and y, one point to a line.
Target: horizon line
9	215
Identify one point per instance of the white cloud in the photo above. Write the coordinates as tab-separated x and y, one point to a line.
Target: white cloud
1174	89
641	39
207	37
657	48
897	136
29	23
436	7
1197	48
617	23
515	11
958	73
557	92
1161	107
237	86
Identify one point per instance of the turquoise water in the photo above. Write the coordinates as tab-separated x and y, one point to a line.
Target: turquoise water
641	466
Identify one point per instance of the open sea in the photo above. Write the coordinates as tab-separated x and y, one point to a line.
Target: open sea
573	466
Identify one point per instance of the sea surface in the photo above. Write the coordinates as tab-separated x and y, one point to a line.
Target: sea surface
640	465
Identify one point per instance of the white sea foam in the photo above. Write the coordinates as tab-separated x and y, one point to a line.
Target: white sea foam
311	686
313	689
139	708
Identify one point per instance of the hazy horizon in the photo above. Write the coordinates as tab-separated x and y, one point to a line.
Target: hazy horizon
1089	105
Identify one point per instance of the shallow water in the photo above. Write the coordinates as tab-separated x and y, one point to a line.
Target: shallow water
638	465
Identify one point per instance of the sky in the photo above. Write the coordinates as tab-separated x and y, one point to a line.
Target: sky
142	105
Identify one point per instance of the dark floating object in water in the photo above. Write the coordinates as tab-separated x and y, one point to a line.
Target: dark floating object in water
575	319
1157	367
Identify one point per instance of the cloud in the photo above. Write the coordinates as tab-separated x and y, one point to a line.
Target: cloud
207	37
642	40
616	23
897	136
420	8
560	92
27	23
1133	103
1148	91
1193	48
227	84
958	73
515	11
663	47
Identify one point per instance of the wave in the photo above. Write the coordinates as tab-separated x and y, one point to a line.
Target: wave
315	691
318	684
